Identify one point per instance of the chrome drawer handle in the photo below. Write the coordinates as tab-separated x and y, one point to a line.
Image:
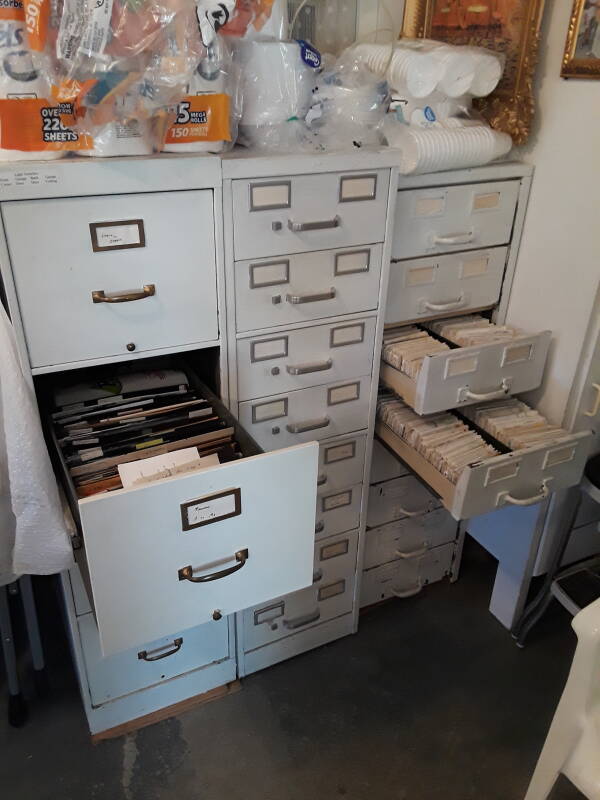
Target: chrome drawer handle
321	479
143	654
297	299
408	592
305	369
149	290
596	406
308	425
298	622
413	553
466	394
319	225
447	306
506	497
416	513
455	238
187	573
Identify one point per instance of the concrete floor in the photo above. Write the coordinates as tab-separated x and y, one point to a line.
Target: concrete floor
430	700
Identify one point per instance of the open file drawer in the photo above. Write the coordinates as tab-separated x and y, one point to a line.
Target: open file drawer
466	375
521	477
224	522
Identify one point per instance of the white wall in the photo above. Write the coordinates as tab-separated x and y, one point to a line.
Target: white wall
559	261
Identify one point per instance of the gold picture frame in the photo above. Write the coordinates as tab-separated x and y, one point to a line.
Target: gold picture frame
511	27
582	48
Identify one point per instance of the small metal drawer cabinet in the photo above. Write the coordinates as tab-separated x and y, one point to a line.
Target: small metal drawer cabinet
105	277
299	213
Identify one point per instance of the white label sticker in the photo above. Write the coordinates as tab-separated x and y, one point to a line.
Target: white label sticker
420	276
212	509
429	206
343	394
274	195
474	267
482	201
360	188
269	274
337	500
117	235
347	334
272	410
461	365
357	261
265	349
339	452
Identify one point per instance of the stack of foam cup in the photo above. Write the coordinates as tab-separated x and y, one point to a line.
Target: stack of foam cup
440	148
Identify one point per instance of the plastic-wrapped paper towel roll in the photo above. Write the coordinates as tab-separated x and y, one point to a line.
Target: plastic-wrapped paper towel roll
201	86
18	78
132	138
435	149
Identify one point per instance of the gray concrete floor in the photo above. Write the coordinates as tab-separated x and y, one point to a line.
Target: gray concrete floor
431	699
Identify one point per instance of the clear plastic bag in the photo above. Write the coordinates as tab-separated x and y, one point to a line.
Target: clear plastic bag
262	20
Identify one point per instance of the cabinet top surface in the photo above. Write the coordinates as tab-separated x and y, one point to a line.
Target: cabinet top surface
71	177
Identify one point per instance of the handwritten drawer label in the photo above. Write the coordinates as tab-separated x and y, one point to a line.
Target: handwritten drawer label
339	452
122	235
337	500
211	508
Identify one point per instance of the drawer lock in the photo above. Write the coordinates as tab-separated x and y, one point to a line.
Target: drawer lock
149	290
187	573
144	655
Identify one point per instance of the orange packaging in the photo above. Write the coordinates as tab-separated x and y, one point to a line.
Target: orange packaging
201	118
34	125
37	16
12	10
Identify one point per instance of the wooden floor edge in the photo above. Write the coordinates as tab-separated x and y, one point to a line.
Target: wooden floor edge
169	711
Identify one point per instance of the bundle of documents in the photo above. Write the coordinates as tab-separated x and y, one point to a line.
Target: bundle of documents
513	423
442	439
472	330
154	419
405	349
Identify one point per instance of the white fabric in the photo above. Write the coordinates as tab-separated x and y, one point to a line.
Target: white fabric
33	534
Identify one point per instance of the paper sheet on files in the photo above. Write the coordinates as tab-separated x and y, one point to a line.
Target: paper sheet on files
135	473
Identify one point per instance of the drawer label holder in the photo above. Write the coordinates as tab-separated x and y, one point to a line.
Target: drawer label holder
122	235
211	508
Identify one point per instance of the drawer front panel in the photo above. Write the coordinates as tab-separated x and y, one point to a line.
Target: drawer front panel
308	212
224	523
146	666
422	288
156	267
296	288
308	414
384	465
301	358
467	375
408	538
330	596
405	577
341	463
398	498
450	218
338	511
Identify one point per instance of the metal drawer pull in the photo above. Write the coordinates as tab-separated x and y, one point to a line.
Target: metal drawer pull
412	513
321	479
149	290
317	575
408	592
455	238
143	654
320	225
304	369
413	553
447	306
297	299
466	394
507	497
320	526
596	406
298	622
308	425
187	573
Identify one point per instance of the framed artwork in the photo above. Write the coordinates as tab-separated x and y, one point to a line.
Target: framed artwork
510	27
582	50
